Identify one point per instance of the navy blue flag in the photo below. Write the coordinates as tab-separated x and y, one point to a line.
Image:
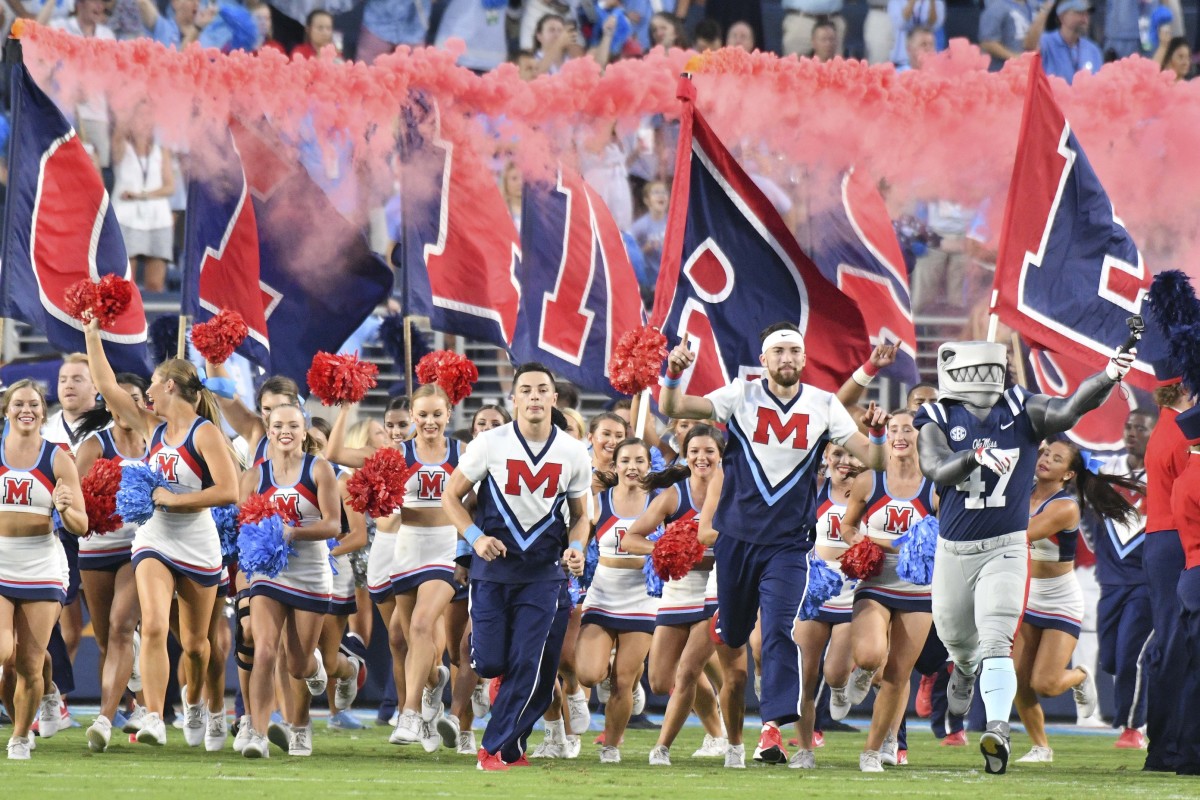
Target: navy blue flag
59	228
580	293
263	239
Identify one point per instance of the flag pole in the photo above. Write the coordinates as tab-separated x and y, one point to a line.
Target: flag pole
181	338
408	357
1019	361
641	412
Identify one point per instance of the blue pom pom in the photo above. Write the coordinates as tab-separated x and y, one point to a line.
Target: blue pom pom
654	584
917	547
331	544
262	549
590	562
574	590
138	482
226	518
657	462
824	584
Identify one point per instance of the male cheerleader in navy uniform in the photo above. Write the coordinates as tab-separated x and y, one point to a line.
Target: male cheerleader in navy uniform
526	471
979	443
778	428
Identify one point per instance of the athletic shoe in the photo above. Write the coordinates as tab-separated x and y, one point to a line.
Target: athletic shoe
194	721
573	746
1037	755
431	697
869	761
902	758
300	742
408	729
818	740
481	704
280	735
640	722
603	690
217	732
770	749
319	681
660	757
489	762
48	715
837	726
19	748
153	730
520	762
549	749
65	720
346	721
257	746
118	721
447	727
1085	694
99	734
579	716
639	698
839	702
887	751
802	759
134	722
735	757
466	743
859	686
431	740
610	755
1131	739
713	747
135	678
958	739
994	744
924	701
243	734
960	691
345	690
1094	721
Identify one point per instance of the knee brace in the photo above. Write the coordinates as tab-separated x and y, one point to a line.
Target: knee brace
243	651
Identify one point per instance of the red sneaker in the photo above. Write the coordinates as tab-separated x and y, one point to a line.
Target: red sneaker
599	739
901	758
520	762
494	688
794	742
1131	739
714	630
955	739
818	740
924	701
770	748
490	762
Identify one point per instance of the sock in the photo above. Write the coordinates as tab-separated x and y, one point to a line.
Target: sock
555	731
998	683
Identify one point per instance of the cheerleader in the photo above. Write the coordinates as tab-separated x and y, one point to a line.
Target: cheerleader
291	606
892	617
106	561
617	612
829	628
37	480
177	553
1054	608
681	646
605	432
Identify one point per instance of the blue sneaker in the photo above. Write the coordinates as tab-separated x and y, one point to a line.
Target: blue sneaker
344	721
119	720
277	718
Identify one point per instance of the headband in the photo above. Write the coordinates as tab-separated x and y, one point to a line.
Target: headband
782	337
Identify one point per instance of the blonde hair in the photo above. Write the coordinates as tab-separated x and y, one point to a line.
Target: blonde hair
309	445
191	390
24	383
572	414
359	433
431	390
75	358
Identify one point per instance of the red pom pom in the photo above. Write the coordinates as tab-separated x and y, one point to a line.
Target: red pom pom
99	488
677	550
79	298
454	373
340	379
258	507
637	360
220	336
863	560
377	488
106	300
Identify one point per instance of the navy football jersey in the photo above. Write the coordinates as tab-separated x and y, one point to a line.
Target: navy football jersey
986	505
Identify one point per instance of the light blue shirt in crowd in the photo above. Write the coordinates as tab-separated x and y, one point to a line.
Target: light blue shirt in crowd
813	7
1058	58
398	21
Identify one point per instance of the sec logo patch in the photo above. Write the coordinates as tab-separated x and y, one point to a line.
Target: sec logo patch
958	433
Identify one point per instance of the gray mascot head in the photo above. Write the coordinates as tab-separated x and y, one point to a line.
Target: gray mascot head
972	372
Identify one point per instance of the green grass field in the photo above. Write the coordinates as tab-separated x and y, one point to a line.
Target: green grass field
363	764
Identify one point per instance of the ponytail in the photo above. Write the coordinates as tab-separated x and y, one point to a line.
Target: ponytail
206	406
1096	491
606	479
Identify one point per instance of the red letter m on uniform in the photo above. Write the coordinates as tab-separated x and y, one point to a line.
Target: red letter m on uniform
769	422
520	473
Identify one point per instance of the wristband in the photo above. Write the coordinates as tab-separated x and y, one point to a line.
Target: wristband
880	439
674	374
576	546
862	377
472	534
221	387
667	382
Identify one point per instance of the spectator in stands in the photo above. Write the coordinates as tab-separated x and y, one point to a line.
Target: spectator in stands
527	65
143	182
824	40
667	31
1177	58
741	35
649	230
938	279
1002	29
708	36
802	16
568	395
919	44
532	14
125	20
552	41
91	114
482	32
604	163
908	15
318	34
388	23
178	29
879	35
511	185
266	36
1135	26
1067	50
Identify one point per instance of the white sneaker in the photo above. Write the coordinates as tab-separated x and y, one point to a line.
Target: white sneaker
256	746
216	732
1085	694
660	757
447	727
243	735
1037	755
869	761
431	696
300	742
735	757
194	722
135	677
319	682
19	748
859	686
839	703
466	743
408	729
639	698
887	751
609	754
481	704
603	690
280	735
431	740
960	691
345	690
573	746
99	733
548	749
48	714
1094	721
135	720
153	730
802	759
579	716
713	747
